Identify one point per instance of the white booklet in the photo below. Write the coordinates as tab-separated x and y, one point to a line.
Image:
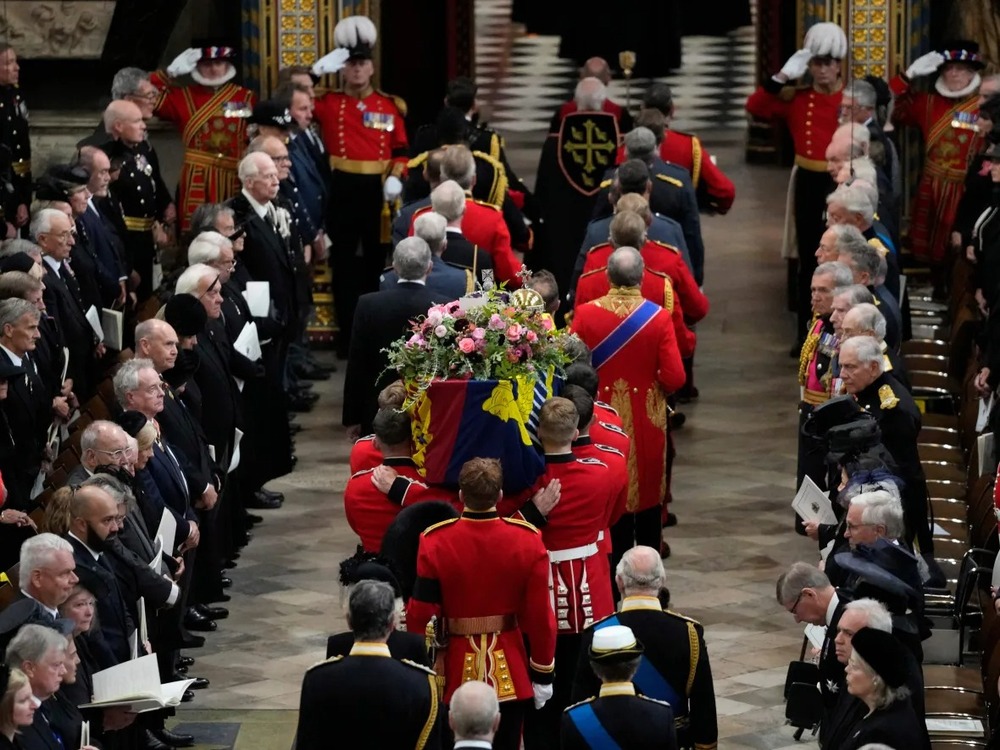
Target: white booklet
112	322
954	726
984	447
94	318
258	297
135	684
166	533
248	342
816	635
812	503
234	462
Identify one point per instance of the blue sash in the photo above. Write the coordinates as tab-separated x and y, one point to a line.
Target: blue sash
591	729
615	341
650	682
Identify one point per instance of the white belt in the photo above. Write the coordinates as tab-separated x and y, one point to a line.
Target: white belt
600	535
574	553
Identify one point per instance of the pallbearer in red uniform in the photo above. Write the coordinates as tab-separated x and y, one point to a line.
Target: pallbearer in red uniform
636	356
211	115
365	135
946	117
810	113
481	608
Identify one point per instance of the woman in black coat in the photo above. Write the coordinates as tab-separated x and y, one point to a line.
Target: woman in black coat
16	706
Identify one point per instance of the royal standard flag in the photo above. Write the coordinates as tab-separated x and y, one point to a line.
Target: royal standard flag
456	420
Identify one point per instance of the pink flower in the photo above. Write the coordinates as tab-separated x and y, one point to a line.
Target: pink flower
479	334
467	345
512	355
547	323
434	316
514	332
531	336
441	332
496	322
416	340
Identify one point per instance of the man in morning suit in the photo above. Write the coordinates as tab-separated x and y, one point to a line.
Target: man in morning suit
384	317
396	700
617	715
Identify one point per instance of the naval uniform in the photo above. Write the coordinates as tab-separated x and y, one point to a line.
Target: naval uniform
617	717
14	135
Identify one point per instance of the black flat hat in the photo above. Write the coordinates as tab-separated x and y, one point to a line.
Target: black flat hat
883	653
185	313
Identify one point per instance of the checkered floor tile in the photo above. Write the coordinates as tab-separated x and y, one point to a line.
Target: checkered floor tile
523	80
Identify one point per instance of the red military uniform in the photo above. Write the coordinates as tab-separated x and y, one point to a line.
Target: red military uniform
369	511
363	135
364	454
483	225
605	411
213	129
617	461
487	608
636	378
947	151
610	433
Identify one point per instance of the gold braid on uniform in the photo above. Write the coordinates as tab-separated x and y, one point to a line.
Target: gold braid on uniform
694	647
805	357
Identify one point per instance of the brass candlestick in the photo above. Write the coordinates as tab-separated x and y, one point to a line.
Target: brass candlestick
626	59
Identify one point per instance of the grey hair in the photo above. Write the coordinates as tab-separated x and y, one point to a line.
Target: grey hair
842	275
590	94
250	165
458	164
625	267
371	608
877	617
640	143
41	222
92	433
879	508
203	251
448	199
575	349
126	82
869	318
884	695
473	710
113	486
857	294
633	579
32	643
869	189
862	92
855	200
860	137
431	228
126	378
205	216
411	258
188	281
866	258
798	577
19	245
15	308
37	552
863	169
867	348
847	237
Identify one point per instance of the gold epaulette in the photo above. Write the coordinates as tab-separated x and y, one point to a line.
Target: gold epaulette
518	522
331	660
602	269
683	617
665	246
498	190
496	145
486	203
399	101
421	210
879	245
696	156
788	93
585	700
416	665
670	180
595	247
438	525
887	399
417	160
606	183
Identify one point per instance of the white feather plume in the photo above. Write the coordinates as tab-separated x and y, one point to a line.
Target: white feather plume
354	30
825	38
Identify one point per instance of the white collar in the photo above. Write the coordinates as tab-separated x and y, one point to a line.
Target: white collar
259	209
14	358
35	700
214	83
422	282
473	743
832	607
95	555
961	93
53	612
55	265
370	648
640	602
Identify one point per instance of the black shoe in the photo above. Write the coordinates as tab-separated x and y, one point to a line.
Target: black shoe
260	501
212	613
677	420
187	697
671	520
664	550
172	738
280	497
200	683
182	670
308	371
151	742
185	661
194	620
229	564
294	429
192	641
299	405
254	519
226	582
223	598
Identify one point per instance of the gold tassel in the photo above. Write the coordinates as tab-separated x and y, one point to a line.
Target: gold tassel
386	230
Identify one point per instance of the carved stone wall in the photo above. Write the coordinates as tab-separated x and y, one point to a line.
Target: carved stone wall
51	29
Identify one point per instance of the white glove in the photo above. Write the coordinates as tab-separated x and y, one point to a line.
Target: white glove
392	188
184	63
332	62
542	694
797	64
925	65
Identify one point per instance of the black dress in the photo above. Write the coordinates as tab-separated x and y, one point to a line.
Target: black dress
896	726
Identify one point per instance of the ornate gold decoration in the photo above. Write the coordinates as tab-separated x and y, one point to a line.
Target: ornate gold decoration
621	401
620	300
887	398
501	675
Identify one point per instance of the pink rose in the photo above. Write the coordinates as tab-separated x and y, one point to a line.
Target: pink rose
479	334
532	337
547	323
441	332
434	316
514	332
496	322
415	340
467	345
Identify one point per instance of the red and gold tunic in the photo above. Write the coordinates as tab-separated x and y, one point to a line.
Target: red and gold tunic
637	380
487	608
364	454
811	118
815	376
947	151
213	129
363	134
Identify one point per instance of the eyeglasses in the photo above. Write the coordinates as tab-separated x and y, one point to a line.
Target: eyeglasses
64	235
230	266
118	455
797	600
852	527
152	96
281	160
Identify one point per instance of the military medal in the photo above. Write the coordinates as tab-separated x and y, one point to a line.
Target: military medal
236	109
143	164
828	344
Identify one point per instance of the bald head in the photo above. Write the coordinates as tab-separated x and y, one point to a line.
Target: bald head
640	572
596	67
474	712
157	341
123	120
625	267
